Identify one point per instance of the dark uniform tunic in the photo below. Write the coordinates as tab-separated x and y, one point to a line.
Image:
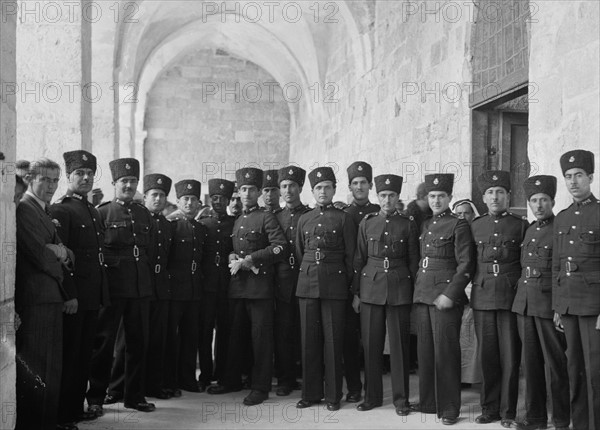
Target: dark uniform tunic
214	305
576	296
385	263
128	248
185	256
498	239
325	244
287	318
541	342
352	327
258	234
79	227
446	267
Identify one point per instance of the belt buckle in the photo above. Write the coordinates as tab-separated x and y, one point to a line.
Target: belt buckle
292	260
568	267
194	266
386	264
136	251
528	272
425	262
101	258
157	268
317	255
495	268
217	259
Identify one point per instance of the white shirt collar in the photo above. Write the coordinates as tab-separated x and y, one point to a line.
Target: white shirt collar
37	199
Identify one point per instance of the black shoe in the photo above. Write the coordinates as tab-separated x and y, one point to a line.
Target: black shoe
96	409
416	407
255	398
353	397
284	390
487	418
507	422
66	426
449	421
202	386
113	398
307	403
367	406
403	410
531	425
333	406
141	406
222	389
86	416
193	388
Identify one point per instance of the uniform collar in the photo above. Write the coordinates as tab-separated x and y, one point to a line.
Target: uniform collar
385	215
500	215
361	206
122	202
295	209
545	221
322	208
443	214
251	209
77	196
587	201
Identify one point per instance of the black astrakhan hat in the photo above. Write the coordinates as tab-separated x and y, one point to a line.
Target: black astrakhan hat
494	178
249	176
270	179
124	167
321	174
188	187
79	160
292	173
221	187
157	181
439	182
540	184
577	159
388	183
360	168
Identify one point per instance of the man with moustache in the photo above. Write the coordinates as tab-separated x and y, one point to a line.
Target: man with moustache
325	243
235	203
385	265
128	247
446	267
270	191
80	228
360	182
498	235
41	299
287	324
214	304
185	257
258	243
576	286
542	344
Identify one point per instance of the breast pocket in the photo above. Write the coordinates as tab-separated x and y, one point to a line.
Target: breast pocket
544	255
511	249
398	247
373	245
444	246
589	241
117	232
253	238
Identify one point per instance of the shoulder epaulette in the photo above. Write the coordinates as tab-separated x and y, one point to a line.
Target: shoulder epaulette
62	199
371	215
517	216
479	217
452	214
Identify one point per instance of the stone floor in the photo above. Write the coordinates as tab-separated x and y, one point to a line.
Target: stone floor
204	411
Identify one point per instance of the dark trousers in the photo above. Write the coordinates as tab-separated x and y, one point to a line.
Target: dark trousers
157	346
39	365
438	334
213	314
79	331
373	320
182	344
583	363
116	387
500	352
135	315
258	315
543	344
352	349
322	328
287	340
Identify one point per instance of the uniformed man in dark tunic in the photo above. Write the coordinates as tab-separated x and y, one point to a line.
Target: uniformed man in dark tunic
287	318
446	267
360	181
498	235
270	191
576	286
81	230
325	244
258	243
184	267
542	344
385	265
128	247
214	304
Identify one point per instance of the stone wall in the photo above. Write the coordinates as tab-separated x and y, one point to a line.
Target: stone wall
210	113
564	110
7	219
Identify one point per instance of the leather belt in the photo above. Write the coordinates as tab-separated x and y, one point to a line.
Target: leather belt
329	257
535	272
438	263
157	269
386	263
497	268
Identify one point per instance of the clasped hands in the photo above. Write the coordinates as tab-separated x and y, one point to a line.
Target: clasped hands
236	263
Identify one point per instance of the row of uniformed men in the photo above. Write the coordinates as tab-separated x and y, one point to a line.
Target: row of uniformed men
321	261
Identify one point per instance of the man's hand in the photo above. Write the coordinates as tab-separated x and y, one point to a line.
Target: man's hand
443	303
598	323
70	306
59	250
356	304
558	323
247	263
233	257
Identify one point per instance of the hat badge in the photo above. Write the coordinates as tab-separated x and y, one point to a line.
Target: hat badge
268	177
538	183
291	171
436	181
221	186
189	186
360	168
247	175
127	166
159	181
84	157
319	174
494	178
387	181
572	159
